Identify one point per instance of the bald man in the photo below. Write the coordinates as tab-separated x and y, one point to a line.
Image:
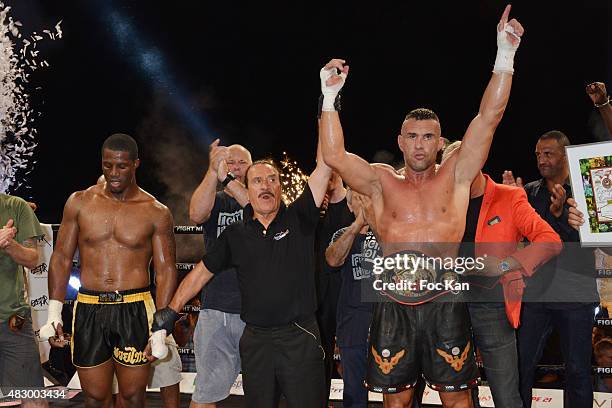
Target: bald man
412	336
219	326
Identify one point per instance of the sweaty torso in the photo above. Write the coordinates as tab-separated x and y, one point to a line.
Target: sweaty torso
428	216
115	240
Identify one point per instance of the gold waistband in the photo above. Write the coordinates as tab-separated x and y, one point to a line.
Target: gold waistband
131	298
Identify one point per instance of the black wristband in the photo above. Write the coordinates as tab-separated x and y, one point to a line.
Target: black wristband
229	178
337	104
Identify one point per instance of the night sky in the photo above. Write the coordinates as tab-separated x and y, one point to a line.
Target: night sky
177	76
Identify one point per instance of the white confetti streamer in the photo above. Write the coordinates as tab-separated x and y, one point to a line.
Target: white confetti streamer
17	134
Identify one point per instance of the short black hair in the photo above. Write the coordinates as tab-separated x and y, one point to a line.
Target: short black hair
557	135
261	161
422	114
120	142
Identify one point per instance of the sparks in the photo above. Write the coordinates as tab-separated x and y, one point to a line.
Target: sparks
293	179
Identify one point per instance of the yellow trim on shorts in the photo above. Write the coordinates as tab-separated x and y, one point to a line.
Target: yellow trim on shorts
131	298
93	366
72	337
150	308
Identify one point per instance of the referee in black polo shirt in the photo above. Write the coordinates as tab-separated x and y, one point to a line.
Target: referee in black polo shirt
273	251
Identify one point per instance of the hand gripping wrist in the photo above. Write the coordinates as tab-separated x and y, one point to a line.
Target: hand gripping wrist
330	91
54	317
164	319
504	60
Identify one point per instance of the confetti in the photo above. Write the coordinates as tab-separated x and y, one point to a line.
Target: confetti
17	141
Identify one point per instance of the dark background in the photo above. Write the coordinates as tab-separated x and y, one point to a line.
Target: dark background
175	75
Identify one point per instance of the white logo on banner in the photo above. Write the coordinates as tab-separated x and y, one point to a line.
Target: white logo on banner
37	289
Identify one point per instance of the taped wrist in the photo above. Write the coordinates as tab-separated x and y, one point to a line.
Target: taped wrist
337	105
504	60
54	317
54	311
159	349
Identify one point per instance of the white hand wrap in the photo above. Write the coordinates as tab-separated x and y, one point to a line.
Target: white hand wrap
54	317
330	92
504	61
159	349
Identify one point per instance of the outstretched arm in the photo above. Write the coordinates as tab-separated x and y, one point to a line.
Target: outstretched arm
355	171
598	94
319	178
191	284
474	150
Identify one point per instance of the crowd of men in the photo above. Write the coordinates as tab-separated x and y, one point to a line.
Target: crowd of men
265	313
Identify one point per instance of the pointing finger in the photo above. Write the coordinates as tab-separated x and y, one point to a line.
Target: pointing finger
504	18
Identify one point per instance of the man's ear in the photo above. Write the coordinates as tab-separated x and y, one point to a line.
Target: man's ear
440	144
400	142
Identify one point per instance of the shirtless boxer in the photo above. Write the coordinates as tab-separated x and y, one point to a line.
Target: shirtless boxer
422	206
118	228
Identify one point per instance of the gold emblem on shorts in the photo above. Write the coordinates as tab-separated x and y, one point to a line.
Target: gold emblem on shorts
384	364
129	356
454	360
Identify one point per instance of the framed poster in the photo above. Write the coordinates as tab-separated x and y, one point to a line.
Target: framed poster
590	167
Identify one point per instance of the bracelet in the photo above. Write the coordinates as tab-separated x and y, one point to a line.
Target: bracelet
599	105
228	179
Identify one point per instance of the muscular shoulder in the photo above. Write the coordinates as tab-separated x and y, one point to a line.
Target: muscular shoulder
152	204
158	210
385	171
78	198
383	168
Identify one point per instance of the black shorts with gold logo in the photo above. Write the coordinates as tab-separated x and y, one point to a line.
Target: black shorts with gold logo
432	339
111	324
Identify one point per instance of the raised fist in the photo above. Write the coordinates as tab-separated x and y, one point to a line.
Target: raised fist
597	92
333	76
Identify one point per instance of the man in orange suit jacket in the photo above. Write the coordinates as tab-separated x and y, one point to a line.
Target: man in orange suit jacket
498	218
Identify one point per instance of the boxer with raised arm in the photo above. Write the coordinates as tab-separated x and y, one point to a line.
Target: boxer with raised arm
420	213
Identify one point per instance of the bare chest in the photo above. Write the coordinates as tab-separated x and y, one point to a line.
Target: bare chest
128	224
429	213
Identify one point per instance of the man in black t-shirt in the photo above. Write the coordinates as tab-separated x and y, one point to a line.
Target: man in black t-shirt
272	250
335	216
219	327
352	248
563	293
